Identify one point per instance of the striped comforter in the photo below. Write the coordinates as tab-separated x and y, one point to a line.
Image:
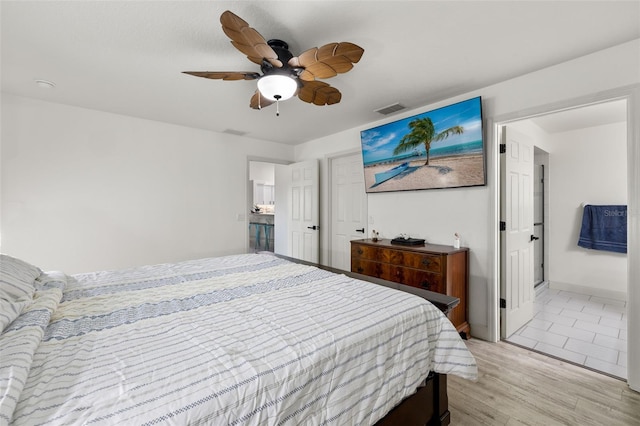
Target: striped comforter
245	339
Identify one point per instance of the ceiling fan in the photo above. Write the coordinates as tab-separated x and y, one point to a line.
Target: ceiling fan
285	75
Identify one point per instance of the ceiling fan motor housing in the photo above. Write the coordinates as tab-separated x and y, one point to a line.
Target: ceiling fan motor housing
281	48
284	55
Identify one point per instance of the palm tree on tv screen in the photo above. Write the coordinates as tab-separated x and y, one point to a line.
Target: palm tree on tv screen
424	132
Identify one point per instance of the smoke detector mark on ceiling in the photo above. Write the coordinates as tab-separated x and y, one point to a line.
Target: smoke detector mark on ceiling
45	84
390	109
235	132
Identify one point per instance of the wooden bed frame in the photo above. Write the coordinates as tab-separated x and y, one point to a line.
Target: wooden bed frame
430	404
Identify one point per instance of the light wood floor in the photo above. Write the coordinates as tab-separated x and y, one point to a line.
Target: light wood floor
520	387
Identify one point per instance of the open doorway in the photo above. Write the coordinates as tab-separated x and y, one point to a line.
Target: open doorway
579	312
261	206
282	199
540	215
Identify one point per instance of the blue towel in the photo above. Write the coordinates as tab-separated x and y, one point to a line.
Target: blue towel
604	228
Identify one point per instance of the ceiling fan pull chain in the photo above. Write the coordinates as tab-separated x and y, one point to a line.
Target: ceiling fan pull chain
277	105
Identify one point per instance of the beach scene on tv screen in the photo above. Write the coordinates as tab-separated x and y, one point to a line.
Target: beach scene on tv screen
442	148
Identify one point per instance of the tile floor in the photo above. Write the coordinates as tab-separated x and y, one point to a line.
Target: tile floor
586	330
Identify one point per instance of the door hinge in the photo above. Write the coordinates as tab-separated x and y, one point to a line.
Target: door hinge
503	225
503	304
503	148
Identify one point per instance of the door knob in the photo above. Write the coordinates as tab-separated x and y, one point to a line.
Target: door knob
533	238
314	227
360	230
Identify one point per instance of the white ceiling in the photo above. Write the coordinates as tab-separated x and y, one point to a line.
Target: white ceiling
126	57
583	117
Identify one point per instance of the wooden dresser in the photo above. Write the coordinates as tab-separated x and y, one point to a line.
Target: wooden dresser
438	268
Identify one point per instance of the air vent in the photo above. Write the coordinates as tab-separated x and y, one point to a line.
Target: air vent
234	132
390	109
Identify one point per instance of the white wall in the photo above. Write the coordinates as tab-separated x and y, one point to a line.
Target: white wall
435	214
588	165
84	190
263	172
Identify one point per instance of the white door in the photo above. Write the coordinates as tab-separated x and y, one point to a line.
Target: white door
297	188
348	208
517	249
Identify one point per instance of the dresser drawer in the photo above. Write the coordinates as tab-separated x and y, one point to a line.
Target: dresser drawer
370	268
368	252
428	262
417	278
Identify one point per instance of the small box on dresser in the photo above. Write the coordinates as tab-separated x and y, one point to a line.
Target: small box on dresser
439	268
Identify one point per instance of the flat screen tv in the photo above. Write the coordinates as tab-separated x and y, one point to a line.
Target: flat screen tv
442	148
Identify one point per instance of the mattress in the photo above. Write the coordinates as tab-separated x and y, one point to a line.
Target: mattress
244	339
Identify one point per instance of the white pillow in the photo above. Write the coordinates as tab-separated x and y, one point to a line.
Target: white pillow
16	278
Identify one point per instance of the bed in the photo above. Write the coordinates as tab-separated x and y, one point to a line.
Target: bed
241	339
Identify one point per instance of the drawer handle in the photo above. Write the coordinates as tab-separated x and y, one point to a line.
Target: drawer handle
360	251
426	261
360	269
426	285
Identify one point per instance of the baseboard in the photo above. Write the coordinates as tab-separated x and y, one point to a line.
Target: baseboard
480	332
591	291
539	288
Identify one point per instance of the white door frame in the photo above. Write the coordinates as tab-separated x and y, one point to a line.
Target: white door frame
632	95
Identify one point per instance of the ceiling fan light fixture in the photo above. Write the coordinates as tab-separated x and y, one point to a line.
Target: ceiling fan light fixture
277	87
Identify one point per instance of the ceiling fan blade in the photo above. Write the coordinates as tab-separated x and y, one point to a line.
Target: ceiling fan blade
327	61
249	51
326	69
248	40
319	93
258	101
225	75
